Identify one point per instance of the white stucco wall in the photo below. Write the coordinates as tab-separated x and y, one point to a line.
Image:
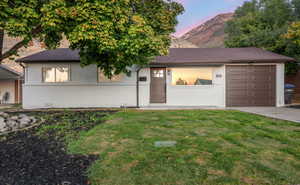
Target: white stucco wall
280	74
8	86
84	90
206	95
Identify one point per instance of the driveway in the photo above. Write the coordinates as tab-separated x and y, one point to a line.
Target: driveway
289	114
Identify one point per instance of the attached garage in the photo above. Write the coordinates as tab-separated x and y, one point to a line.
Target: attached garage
250	85
214	77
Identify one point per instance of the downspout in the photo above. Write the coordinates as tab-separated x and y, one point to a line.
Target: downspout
21	82
138	87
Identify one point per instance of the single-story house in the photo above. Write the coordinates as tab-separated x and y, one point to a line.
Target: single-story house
221	77
10	85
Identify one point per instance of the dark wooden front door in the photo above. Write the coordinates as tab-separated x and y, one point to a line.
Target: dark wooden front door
250	85
158	85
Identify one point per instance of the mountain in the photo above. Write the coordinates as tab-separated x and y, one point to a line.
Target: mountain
210	34
181	43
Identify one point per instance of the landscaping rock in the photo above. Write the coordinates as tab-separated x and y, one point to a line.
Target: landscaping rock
4	129
23	116
13	124
14	118
25	120
3	114
16	122
2	121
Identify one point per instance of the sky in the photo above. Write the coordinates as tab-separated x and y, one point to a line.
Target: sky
199	11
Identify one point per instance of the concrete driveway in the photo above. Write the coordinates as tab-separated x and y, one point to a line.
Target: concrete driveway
289	114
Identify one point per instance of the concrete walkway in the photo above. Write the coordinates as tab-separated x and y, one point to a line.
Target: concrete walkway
163	107
289	114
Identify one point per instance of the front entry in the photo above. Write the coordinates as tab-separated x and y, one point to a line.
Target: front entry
158	85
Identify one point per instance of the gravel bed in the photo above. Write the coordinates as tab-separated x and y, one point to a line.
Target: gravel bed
27	158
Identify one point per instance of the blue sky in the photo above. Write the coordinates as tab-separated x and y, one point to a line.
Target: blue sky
199	11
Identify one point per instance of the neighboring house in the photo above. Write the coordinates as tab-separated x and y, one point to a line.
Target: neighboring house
10	85
186	77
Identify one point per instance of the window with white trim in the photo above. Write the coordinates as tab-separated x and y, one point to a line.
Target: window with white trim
114	78
192	76
56	74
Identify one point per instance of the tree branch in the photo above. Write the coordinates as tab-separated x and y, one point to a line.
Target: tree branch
19	45
1	42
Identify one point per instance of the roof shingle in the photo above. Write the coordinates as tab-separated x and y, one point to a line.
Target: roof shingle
176	56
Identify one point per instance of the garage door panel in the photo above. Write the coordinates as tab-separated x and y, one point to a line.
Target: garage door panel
248	85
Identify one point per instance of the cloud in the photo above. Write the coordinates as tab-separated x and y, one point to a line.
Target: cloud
184	2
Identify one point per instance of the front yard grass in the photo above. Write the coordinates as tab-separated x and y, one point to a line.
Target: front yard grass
213	147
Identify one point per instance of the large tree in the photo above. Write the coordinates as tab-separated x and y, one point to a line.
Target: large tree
263	24
113	34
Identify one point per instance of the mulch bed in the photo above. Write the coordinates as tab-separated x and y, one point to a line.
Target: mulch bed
26	158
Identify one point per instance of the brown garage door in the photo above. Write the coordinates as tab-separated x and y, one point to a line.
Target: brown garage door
248	85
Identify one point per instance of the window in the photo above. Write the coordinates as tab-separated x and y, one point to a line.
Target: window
114	78
55	74
192	76
158	73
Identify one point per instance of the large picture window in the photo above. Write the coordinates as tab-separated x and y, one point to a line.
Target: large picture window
114	78
55	74
192	76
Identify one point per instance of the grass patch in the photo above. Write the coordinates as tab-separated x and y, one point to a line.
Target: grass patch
213	147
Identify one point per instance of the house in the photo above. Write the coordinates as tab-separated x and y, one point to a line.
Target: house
10	85
221	77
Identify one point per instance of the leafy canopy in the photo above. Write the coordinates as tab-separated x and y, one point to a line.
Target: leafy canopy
263	24
113	34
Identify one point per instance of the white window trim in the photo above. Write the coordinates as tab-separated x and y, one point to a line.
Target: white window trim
55	66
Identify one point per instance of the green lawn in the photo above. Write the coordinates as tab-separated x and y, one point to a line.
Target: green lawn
213	147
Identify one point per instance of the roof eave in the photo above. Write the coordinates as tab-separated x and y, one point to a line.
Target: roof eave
46	61
11	70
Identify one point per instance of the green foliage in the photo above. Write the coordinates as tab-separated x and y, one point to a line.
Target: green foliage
263	23
113	34
66	125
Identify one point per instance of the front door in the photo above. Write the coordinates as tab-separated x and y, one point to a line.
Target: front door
158	85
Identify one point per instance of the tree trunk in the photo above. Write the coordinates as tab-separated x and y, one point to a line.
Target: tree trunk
1	43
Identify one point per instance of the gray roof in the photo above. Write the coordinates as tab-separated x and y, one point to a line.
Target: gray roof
220	56
56	55
177	56
8	73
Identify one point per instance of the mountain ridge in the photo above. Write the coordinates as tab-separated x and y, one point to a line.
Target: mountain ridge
209	34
